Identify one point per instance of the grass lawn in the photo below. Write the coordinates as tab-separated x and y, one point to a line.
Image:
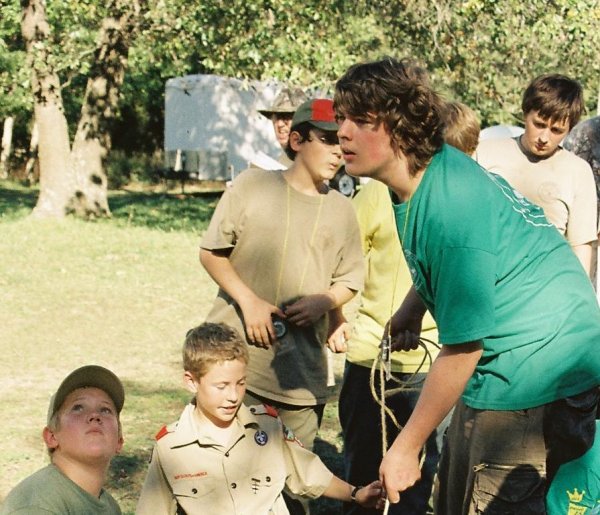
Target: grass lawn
120	293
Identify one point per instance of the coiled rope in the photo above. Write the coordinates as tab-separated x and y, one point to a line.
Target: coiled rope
383	365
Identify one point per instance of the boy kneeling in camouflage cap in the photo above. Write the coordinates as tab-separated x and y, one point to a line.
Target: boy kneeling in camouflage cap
82	434
222	457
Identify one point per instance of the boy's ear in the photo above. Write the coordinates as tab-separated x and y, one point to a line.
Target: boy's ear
295	141
49	438
119	445
190	382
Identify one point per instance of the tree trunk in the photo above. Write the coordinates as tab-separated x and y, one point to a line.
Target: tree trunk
75	180
6	146
56	179
92	140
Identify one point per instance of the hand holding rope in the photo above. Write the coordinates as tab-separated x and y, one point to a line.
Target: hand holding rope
383	365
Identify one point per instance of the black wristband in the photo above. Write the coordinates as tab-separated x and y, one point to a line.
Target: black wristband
354	492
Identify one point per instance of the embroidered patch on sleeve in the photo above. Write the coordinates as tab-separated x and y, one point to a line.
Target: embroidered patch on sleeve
288	434
163	431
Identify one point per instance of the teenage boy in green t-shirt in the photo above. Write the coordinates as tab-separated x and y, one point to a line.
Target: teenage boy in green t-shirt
516	314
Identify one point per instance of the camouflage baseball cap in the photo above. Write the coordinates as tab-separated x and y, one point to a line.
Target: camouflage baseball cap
287	101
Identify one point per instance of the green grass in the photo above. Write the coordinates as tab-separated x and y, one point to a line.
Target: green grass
163	211
121	293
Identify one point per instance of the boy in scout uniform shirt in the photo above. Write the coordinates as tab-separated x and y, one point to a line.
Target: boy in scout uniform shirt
222	457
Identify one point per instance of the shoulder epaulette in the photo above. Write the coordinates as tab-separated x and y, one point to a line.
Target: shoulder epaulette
169	428
270	410
163	431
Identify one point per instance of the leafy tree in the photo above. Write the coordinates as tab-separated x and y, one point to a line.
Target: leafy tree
73	179
482	52
15	99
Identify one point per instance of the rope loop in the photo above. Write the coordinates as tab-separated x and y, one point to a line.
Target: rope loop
410	384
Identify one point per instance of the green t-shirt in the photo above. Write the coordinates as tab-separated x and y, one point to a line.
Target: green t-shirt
576	487
490	267
50	492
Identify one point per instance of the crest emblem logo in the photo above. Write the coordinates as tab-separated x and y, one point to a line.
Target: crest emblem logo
260	437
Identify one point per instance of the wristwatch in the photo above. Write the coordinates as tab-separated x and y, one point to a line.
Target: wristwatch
354	492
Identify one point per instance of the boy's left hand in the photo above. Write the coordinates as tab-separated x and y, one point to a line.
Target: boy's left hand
371	496
307	310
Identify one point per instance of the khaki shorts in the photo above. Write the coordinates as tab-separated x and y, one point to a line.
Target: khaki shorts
494	462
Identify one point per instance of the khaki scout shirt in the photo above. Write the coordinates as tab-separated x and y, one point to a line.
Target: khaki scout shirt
245	477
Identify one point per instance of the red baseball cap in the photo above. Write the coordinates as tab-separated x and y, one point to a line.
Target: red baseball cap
318	112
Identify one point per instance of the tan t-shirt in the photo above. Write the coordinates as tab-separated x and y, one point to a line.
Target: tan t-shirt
285	245
562	185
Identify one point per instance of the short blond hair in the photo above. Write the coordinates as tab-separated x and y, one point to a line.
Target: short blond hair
211	343
462	127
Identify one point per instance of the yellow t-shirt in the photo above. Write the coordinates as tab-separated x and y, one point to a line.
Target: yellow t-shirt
386	284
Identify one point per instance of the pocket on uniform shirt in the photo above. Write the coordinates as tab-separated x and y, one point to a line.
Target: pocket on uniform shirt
193	488
508	489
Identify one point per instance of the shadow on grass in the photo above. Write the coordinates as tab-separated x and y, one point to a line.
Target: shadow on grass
168	212
164	211
150	407
16	202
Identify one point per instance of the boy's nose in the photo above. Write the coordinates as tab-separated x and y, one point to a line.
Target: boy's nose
343	132
94	415
544	135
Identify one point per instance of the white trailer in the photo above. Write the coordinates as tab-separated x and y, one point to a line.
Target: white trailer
212	125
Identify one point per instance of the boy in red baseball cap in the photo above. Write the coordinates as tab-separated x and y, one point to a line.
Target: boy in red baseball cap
284	249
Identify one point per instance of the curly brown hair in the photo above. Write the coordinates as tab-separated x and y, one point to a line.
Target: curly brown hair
209	344
396	93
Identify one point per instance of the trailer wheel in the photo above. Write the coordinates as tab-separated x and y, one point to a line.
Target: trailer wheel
344	183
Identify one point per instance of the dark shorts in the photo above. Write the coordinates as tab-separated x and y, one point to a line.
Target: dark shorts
360	418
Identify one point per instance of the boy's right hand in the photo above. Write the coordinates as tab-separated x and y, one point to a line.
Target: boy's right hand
258	321
371	496
404	332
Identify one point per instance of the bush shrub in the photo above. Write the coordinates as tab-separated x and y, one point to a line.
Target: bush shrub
123	168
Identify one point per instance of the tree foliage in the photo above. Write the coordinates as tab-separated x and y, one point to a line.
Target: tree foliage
482	52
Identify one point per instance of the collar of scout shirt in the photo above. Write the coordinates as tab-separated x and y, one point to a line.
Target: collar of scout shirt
187	431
